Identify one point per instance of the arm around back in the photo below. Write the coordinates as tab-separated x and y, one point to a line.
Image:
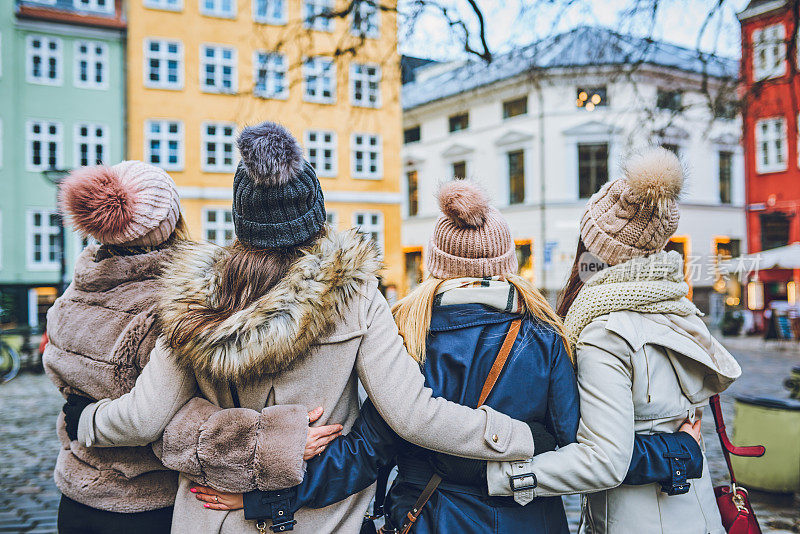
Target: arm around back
396	386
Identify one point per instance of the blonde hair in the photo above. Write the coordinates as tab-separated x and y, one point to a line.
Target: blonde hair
413	313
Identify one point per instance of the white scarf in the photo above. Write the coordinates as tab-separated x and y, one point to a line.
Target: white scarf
494	292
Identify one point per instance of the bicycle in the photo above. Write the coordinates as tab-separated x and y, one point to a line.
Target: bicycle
9	362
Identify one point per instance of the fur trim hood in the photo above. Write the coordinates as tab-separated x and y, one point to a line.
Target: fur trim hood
277	328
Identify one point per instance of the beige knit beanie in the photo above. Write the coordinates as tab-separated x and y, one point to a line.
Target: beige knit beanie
471	238
132	203
637	214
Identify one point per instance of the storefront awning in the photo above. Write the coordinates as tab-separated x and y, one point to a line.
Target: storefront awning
787	257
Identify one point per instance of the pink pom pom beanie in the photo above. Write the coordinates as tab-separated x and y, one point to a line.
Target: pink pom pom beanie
131	203
471	238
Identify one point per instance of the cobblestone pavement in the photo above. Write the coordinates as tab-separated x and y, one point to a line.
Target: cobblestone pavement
29	405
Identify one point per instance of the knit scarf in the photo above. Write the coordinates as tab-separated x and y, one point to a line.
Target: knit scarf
494	292
652	284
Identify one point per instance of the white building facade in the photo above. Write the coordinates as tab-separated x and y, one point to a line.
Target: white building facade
542	140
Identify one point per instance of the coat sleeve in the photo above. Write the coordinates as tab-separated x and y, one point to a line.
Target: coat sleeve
563	405
600	458
350	464
236	449
140	416
394	382
668	459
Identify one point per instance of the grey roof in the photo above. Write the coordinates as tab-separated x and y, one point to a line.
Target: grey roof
585	46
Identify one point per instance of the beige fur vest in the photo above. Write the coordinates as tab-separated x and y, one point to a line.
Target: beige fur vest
101	333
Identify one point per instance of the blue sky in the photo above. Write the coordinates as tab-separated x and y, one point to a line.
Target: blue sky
519	22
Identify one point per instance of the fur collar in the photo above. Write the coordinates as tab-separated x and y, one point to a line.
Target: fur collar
280	326
94	276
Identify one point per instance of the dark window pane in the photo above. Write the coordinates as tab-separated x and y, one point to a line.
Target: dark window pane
592	168
460	170
589	98
669	100
513	108
725	176
774	230
411	135
516	177
459	122
413	193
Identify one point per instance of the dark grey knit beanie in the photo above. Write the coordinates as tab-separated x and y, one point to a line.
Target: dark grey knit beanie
277	198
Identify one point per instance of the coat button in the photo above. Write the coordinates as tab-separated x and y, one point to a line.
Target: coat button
495	438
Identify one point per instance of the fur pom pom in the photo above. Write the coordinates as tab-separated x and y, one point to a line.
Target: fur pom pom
270	153
464	202
97	202
655	175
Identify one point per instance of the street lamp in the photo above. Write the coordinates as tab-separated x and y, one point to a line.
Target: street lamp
55	177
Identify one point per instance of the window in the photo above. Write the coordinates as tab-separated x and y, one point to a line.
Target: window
771	145
516	107
44	143
725	177
43	247
592	168
270	75
91	65
366	19
103	6
459	170
163	64
413	269
669	100
218	69
412	188
370	223
365	85
44	60
91	144
591	97
218	226
459	122
774	230
316	15
270	11
516	177
218	142
319	79
367	159
321	151
728	248
163	144
412	135
769	52
169	5
218	8
332	218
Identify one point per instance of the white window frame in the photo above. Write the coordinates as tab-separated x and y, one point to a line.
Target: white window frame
771	42
92	140
316	67
267	17
47	231
219	140
375	230
311	9
216	10
164	138
220	226
92	59
315	140
164	5
93	6
42	137
365	80
58	54
81	243
163	57
219	63
267	62
370	13
774	153
358	145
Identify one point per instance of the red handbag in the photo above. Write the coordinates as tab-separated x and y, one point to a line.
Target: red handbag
733	502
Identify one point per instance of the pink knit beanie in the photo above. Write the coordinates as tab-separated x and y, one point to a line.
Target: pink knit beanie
131	203
635	215
471	238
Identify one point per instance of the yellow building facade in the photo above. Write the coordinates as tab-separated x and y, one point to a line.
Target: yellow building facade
199	70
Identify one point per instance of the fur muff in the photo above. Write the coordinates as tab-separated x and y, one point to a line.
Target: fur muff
270	153
655	176
269	335
464	202
97	202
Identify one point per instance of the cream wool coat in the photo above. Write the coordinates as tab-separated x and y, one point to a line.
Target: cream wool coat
308	341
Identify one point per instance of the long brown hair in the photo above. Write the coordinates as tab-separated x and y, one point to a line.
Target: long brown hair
244	275
574	283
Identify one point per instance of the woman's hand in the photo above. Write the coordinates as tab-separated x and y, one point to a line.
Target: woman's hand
692	429
319	436
218	500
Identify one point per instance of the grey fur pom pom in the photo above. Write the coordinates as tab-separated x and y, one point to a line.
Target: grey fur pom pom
270	153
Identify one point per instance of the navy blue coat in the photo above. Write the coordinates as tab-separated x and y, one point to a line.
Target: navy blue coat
537	384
